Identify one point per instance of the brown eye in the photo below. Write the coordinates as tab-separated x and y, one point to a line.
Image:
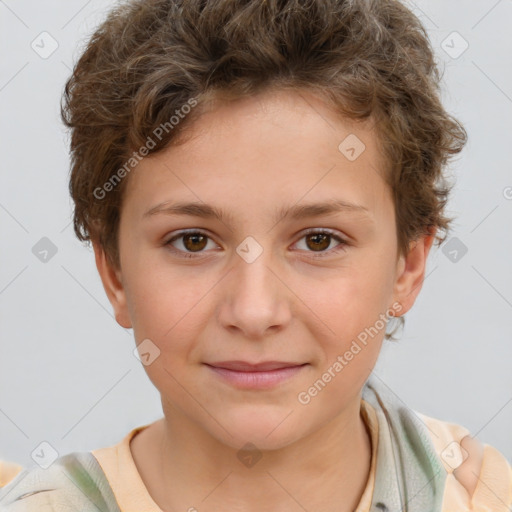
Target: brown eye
319	241
191	242
194	241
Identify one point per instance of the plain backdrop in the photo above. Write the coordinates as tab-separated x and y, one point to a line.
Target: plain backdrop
68	375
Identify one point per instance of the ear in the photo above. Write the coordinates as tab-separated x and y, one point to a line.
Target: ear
112	282
411	271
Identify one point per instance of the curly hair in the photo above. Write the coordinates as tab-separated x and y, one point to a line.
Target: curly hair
150	58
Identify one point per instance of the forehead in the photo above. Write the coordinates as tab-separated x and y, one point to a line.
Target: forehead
270	149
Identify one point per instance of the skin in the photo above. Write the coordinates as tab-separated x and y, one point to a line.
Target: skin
250	158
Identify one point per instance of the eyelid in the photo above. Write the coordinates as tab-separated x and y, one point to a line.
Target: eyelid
342	239
203	255
330	231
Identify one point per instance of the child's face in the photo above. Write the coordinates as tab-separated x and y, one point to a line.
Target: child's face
303	300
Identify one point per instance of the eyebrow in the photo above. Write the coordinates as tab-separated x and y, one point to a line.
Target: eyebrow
296	212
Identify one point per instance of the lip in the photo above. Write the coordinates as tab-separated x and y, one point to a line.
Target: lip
265	375
244	366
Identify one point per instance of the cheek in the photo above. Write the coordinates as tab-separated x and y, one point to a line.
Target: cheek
353	309
354	297
172	317
352	343
162	301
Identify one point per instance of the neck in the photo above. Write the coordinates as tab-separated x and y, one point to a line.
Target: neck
182	466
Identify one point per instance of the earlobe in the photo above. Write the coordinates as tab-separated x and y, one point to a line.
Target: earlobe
411	271
114	288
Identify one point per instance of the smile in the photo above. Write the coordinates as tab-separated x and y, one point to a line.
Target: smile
247	376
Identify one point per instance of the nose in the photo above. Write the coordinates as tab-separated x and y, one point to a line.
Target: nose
255	299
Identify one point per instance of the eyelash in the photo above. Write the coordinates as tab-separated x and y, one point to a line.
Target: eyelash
343	243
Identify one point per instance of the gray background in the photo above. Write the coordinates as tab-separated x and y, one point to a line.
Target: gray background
68	375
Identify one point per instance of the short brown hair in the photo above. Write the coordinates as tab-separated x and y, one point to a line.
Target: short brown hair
149	58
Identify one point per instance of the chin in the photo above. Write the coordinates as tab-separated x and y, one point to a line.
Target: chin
267	430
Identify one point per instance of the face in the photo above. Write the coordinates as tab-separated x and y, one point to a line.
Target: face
274	279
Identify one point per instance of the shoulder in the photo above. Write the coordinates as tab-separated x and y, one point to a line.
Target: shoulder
479	475
73	482
8	470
